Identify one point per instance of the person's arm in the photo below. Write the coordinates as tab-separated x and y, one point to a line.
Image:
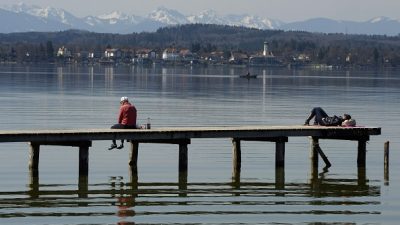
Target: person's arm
121	115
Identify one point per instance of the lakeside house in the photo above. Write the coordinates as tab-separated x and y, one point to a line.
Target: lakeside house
177	56
267	58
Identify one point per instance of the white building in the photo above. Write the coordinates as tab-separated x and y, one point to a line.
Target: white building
63	52
170	54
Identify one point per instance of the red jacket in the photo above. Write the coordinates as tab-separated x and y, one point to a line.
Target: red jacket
127	114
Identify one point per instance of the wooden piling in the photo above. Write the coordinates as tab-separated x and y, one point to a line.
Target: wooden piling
386	162
362	151
83	160
314	152
183	158
134	157
236	156
323	156
280	154
182	136
34	159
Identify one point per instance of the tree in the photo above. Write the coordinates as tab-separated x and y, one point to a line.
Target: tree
376	56
50	51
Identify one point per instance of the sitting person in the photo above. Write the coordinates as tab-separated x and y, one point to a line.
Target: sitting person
126	119
321	118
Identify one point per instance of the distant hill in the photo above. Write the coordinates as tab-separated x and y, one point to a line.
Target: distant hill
24	18
204	39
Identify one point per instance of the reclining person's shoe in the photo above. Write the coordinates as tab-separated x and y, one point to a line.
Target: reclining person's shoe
121	146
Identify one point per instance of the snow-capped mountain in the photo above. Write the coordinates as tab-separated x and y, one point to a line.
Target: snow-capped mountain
22	17
378	26
252	21
167	16
47	14
207	17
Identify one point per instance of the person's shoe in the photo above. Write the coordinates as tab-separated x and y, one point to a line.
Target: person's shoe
112	147
121	146
306	123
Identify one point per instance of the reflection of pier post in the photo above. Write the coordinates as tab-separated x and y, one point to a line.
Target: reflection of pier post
182	184
386	163
83	187
34	185
236	182
361	176
279	178
134	186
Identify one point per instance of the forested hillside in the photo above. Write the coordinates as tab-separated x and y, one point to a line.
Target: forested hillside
333	49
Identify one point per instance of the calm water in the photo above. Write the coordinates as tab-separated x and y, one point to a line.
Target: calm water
41	97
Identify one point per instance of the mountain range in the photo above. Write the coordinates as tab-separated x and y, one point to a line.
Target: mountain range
23	18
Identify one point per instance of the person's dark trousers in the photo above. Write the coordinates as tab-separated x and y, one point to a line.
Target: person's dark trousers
121	126
318	113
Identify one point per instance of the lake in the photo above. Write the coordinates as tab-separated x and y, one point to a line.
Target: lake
72	96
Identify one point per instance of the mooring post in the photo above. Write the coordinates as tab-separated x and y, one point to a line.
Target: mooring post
34	159
236	156
362	151
279	154
183	157
134	156
84	160
386	163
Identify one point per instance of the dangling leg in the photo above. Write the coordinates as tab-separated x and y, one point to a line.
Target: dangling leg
121	145
113	145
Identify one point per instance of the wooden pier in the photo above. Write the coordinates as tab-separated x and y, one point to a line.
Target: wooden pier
182	136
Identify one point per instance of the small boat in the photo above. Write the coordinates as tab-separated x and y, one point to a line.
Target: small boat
248	76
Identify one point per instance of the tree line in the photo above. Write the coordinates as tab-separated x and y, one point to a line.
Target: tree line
331	49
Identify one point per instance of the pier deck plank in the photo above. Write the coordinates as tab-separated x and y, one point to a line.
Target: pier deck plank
180	133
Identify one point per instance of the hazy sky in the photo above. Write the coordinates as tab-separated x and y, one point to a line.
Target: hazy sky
285	10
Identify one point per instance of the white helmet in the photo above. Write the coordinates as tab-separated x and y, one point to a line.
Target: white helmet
123	99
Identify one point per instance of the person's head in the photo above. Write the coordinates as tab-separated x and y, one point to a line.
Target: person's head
123	100
346	116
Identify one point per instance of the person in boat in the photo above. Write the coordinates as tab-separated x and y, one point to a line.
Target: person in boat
321	118
126	120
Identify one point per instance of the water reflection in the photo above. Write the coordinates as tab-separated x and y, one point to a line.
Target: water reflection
124	197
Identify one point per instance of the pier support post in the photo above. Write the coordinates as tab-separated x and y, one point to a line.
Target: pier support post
236	156
362	150
134	157
183	157
83	160
280	154
34	159
314	152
